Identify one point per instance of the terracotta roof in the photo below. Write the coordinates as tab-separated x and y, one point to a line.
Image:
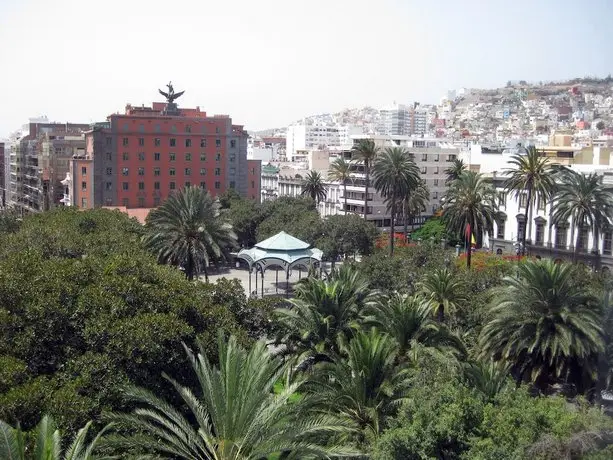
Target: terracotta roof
139	214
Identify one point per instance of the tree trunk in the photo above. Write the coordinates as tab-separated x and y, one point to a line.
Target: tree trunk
206	274
405	212
189	269
345	194
441	313
528	221
393	209
576	244
367	172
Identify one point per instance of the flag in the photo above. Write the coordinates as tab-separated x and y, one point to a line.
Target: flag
473	241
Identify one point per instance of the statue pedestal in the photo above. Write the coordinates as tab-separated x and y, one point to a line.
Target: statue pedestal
171	109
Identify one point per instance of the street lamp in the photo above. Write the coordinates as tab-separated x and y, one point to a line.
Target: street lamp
518	248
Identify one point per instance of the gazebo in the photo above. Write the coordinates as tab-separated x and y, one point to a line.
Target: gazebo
282	251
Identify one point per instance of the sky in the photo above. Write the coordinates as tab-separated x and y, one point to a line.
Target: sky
267	63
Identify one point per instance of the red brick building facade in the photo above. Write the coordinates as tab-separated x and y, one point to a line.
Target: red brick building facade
138	158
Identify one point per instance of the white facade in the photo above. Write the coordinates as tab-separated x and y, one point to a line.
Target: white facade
301	137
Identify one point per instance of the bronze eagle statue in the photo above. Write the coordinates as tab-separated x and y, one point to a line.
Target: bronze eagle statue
171	96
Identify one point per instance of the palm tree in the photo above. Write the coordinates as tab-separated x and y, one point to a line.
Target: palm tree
313	186
365	151
364	387
234	415
456	169
407	319
48	443
340	170
324	313
544	325
487	376
532	174
442	290
469	207
395	176
584	200
189	230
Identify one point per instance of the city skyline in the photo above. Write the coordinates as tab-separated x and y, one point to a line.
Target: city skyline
247	59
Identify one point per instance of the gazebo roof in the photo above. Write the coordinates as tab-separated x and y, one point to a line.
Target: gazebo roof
282	242
282	250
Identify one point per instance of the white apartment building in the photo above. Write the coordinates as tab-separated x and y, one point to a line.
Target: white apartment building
305	137
395	120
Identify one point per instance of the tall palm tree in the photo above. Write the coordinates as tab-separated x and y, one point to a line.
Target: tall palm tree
324	313
487	376
442	291
414	203
457	168
584	200
234	415
532	174
408	320
340	170
313	186
48	443
545	325
365	151
188	229
364	387
395	176
469	207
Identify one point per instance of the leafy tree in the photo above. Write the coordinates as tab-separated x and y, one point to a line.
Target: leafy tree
346	235
600	125
313	186
546	328
48	443
244	215
340	170
296	216
365	151
325	312
188	230
9	221
442	291
530	173
365	387
234	414
469	204
395	176
457	168
585	200
433	229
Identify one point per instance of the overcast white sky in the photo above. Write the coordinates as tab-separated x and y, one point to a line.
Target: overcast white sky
269	62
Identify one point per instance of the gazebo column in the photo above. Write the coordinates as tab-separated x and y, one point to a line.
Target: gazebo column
262	282
250	280
287	283
277	280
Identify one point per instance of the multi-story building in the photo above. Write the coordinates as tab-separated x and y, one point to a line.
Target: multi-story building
40	160
136	159
3	163
303	137
395	120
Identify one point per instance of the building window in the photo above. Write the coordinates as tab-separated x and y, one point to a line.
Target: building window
202	184
521	228
523	199
141	202
172	156
188	185
173	129
109	141
217	171
125	171
423	170
125	141
217	156
502	199
83	186
188	129
188	142
232	158
435	195
173	142
172	186
109	171
141	141
252	184
84	202
217	185
109	186
109	156
436	157
202	157
233	184
156	171
125	156
188	157
171	171
188	171
203	171
125	202
232	143
202	142
582	240
435	182
217	142
436	170
424	157
83	170
156	201
125	186
233	171
141	156
500	229
561	237
541	203
607	243
156	186
141	171
217	130
157	142
540	233
141	186
157	128
156	156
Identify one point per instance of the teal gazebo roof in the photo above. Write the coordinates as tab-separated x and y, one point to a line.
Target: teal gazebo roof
281	250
